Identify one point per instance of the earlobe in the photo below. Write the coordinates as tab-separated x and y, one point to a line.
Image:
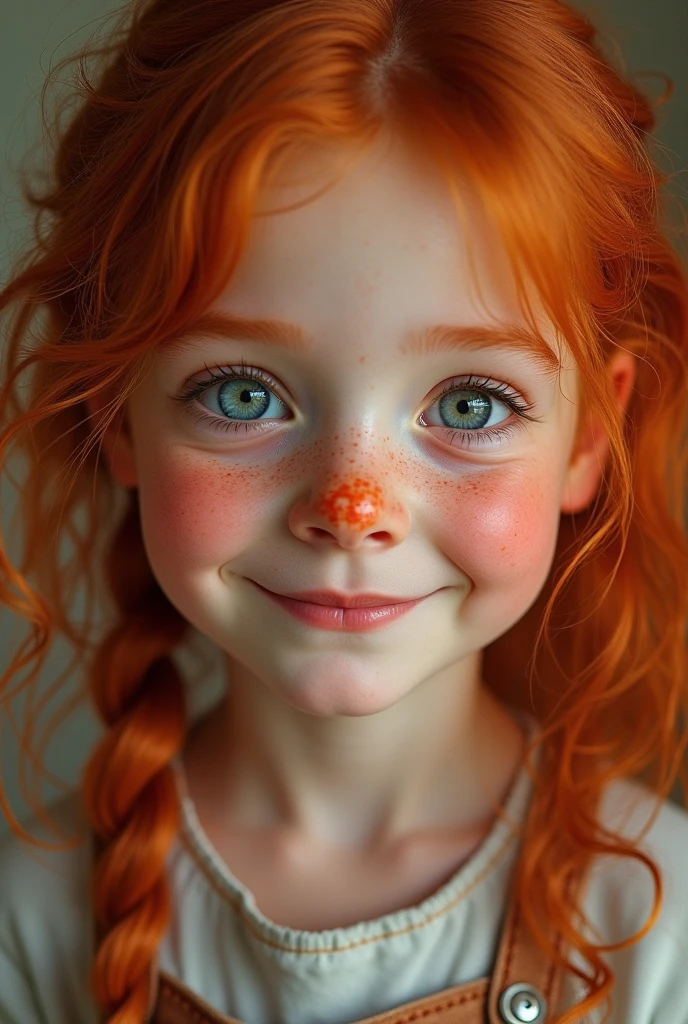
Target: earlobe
590	455
117	444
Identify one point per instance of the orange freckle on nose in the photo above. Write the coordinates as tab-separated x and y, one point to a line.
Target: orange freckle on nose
356	502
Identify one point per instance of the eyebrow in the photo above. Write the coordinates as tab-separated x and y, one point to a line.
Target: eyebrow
439	338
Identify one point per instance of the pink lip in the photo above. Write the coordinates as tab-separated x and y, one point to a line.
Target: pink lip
338	617
337	600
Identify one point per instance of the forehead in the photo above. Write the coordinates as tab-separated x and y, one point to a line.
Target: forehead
382	250
364	223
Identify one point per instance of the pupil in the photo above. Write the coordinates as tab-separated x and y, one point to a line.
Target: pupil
245	395
462	406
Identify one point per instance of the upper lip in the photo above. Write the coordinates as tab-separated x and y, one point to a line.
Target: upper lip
333	597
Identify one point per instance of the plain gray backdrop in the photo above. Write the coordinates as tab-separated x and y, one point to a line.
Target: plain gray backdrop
640	35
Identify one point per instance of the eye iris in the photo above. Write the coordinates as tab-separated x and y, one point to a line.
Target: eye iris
242	402
477	408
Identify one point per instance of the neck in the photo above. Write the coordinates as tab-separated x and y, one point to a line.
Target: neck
439	759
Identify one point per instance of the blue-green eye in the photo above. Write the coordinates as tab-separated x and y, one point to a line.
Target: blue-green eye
242	396
465	406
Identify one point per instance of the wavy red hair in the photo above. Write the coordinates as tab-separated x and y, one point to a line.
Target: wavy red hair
190	108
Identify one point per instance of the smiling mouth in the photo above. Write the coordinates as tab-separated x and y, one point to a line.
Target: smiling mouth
337	600
337	617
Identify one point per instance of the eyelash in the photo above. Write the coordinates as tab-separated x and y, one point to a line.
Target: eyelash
194	389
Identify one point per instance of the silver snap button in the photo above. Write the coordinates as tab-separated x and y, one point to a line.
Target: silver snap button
522	1004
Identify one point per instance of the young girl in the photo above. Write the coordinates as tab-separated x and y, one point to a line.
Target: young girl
366	307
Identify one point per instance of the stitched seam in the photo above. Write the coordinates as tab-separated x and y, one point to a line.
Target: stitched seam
553	967
240	910
552	972
436	1007
512	938
184	1000
187	1003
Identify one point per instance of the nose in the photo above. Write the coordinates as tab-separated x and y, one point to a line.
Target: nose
352	511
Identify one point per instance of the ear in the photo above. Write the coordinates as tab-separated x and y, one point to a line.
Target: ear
590	453
117	444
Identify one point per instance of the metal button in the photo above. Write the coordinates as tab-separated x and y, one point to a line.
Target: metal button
522	1004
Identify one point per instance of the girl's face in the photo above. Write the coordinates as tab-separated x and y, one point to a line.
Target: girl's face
341	467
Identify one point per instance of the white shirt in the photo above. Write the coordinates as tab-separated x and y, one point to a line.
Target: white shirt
221	946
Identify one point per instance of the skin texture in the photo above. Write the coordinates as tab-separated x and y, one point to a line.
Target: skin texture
379	751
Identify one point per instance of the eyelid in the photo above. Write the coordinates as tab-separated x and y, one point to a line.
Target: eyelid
504	390
193	387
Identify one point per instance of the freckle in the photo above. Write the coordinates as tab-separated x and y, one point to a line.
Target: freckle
356	503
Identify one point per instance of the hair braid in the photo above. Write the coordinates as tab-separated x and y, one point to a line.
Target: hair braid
128	789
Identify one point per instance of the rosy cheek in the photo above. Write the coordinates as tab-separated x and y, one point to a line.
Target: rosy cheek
500	525
198	512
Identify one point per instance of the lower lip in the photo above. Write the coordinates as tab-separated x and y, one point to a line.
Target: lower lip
360	620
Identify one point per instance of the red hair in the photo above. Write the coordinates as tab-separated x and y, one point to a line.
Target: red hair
190	109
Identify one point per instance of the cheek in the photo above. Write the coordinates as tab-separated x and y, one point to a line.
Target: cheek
196	513
498	526
501	526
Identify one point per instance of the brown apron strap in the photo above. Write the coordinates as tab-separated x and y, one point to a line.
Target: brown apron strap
525	984
462	1004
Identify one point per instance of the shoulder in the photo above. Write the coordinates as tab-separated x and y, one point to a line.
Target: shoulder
651	976
46	937
660	830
